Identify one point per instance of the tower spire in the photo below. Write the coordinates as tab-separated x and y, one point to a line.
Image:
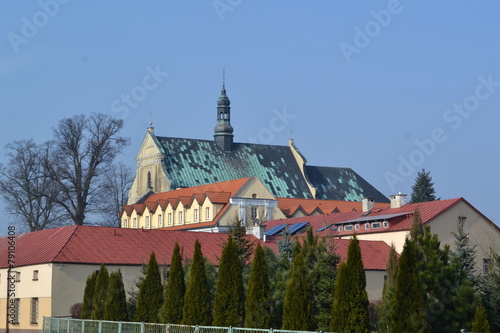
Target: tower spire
223	131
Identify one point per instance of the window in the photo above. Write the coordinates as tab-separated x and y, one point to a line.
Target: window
17	314
18	276
135	222
148	226
181	221
125	223
253	212
348	227
195	215
385	278
35	275
34	311
385	224
150	183
340	229
160	221
367	226
170	219
207	213
486	265
356	227
376	225
462	221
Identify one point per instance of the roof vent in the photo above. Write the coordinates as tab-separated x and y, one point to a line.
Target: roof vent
398	200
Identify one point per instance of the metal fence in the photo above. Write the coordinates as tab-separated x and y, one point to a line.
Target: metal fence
68	325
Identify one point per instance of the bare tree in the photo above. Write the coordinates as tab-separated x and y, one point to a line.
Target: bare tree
114	192
84	148
26	187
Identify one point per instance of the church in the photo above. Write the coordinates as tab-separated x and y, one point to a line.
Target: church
167	163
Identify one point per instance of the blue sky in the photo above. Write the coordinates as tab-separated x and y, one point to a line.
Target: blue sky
384	87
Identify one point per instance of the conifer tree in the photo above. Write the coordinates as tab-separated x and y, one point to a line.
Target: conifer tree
298	307
115	305
322	278
385	309
341	304
229	303
100	291
244	245
408	313
358	318
480	323
465	254
197	300
175	290
417	228
258	299
278	287
150	297
448	293
423	189
88	296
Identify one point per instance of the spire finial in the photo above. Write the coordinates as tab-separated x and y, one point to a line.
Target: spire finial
224	78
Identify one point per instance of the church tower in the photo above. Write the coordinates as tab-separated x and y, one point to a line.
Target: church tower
223	131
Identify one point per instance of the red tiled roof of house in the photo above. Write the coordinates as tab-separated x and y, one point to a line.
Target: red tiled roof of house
117	246
95	245
428	211
289	206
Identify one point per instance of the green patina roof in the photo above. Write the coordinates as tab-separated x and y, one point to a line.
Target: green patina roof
192	162
341	184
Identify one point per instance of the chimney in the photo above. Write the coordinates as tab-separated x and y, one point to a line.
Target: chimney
398	200
367	204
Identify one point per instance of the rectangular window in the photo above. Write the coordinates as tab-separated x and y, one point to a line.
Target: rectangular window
207	213
18	276
125	223
348	228
181	220
17	314
376	225
148	226
160	221
385	224
195	215
135	222
367	226
34	311
170	219
462	220
340	229
253	212
35	275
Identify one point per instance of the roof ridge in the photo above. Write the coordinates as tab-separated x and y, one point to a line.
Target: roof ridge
75	227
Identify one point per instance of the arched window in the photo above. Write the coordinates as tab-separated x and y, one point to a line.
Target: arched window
150	183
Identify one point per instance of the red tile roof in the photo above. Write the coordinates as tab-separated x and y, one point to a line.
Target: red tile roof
428	211
117	246
95	245
289	206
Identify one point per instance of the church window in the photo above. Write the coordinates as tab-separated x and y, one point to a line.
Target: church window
150	183
253	211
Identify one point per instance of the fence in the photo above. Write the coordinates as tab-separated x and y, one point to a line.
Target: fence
68	325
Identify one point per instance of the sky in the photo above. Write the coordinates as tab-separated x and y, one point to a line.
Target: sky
383	87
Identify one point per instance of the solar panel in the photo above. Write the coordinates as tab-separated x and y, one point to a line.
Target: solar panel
295	228
324	227
276	229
